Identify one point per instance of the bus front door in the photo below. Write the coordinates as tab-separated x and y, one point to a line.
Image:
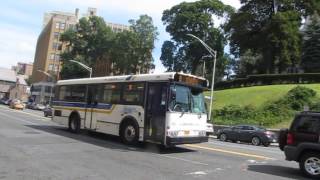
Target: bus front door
156	112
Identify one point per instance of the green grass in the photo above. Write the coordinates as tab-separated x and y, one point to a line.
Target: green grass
254	96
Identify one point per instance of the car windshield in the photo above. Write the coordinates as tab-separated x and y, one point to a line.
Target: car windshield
186	99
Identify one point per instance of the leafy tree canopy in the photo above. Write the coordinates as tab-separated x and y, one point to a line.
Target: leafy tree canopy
310	60
92	41
270	28
197	18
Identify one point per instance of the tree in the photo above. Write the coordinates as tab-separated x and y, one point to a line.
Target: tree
132	50
271	30
146	34
89	42
248	64
310	60
124	53
92	41
194	18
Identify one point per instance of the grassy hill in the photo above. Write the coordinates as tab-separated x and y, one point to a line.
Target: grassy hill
255	96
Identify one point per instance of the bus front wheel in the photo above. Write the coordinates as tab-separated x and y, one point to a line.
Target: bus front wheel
74	124
129	133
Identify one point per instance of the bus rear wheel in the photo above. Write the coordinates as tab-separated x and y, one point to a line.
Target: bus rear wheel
129	133
74	124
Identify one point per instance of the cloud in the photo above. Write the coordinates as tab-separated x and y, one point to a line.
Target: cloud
16	45
18	16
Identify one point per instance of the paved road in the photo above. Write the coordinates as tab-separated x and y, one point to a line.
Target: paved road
33	147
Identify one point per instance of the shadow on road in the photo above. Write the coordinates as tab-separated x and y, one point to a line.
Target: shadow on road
108	141
281	171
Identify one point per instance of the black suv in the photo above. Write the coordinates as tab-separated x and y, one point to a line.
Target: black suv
301	142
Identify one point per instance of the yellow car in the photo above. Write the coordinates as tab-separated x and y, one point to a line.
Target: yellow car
16	104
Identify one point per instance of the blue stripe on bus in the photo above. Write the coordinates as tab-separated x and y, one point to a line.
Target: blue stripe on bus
81	105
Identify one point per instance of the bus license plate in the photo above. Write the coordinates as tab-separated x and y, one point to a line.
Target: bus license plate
186	132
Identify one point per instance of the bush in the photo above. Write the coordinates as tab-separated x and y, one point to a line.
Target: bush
271	113
299	96
268	79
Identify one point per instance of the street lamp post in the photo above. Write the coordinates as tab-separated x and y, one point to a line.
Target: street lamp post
214	54
83	65
49	75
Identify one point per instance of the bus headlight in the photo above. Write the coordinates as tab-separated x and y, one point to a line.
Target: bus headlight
173	133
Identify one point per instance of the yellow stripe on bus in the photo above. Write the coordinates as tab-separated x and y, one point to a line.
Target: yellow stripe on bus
105	111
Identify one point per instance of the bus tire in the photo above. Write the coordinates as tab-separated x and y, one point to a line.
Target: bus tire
129	132
74	123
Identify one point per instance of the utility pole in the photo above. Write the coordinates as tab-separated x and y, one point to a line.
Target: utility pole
214	54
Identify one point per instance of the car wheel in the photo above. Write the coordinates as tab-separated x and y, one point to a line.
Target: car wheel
74	124
310	164
223	137
129	133
45	114
256	141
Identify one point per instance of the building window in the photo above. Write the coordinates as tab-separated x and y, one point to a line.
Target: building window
55	46
50	67
57	25
56	35
52	56
57	57
62	25
60	47
55	68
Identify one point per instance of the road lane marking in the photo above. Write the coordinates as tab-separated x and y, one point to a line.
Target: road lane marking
273	150
186	160
230	152
19	119
11	110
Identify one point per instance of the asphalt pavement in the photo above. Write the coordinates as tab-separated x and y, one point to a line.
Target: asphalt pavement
34	147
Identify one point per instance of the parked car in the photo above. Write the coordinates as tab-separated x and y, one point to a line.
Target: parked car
209	130
300	142
247	133
17	104
35	106
3	101
47	111
29	105
7	102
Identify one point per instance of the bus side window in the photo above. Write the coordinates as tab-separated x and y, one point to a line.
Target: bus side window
111	93
64	93
133	93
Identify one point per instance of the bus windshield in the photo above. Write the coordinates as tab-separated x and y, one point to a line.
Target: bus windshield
186	99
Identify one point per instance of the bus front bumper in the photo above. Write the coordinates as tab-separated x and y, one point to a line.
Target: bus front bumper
185	140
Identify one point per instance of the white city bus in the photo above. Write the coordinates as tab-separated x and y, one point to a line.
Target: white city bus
165	108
